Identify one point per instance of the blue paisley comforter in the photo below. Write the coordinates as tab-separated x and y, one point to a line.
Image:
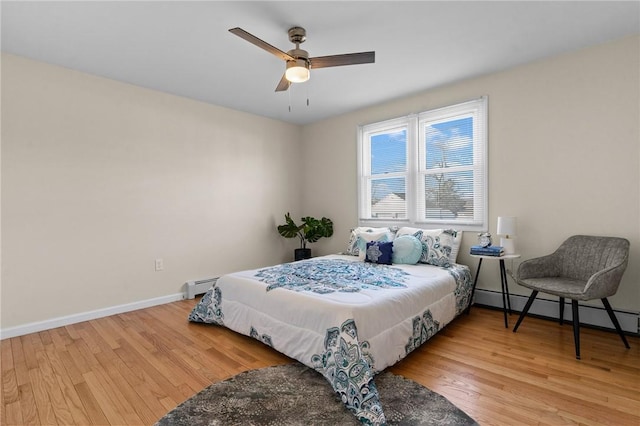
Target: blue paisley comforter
347	319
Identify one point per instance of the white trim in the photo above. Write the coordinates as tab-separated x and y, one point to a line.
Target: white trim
592	315
35	327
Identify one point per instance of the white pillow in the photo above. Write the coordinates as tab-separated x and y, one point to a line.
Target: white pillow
352	247
450	239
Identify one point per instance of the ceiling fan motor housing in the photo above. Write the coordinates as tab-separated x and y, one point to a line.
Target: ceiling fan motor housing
299	54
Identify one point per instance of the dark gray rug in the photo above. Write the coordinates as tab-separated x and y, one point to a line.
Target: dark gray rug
293	394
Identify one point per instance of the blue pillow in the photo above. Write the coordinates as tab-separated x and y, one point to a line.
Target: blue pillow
363	239
379	252
407	249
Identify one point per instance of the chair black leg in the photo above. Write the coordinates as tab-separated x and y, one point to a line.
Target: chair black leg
576	327
616	324
526	309
561	310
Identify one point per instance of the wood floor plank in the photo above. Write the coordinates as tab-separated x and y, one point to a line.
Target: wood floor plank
6	354
29	346
148	396
19	363
3	404
56	397
104	396
83	354
56	339
166	355
41	398
145	349
74	404
28	405
71	366
9	386
129	394
131	368
12	414
91	404
106	332
135	371
140	363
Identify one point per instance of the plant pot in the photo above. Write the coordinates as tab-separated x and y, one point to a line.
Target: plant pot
302	253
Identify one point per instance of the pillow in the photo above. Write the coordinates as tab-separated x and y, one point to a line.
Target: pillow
353	248
434	251
379	252
366	237
439	246
407	250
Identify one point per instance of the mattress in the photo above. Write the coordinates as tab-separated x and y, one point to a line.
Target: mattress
345	318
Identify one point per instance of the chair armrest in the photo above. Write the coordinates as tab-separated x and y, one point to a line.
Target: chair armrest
539	267
605	283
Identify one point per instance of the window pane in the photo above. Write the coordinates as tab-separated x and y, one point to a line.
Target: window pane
449	195
389	152
388	198
425	170
449	143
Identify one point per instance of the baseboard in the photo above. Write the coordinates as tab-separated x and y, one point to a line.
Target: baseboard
589	315
35	327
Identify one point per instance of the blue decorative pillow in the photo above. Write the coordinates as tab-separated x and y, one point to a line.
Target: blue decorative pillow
353	248
407	249
379	252
364	238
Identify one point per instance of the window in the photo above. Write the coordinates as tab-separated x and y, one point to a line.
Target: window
427	169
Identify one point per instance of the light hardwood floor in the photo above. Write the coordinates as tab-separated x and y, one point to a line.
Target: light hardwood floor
130	369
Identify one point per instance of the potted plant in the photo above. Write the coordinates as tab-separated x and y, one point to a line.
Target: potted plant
310	231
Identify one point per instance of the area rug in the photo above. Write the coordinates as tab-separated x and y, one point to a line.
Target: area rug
293	394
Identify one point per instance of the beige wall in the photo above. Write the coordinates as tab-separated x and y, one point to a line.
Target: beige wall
564	155
100	178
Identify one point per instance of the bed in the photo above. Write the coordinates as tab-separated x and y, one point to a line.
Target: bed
347	318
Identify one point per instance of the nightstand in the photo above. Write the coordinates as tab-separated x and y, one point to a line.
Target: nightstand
506	302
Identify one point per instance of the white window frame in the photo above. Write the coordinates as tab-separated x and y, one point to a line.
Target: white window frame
416	167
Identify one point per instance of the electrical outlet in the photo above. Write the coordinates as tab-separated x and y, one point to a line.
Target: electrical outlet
159	265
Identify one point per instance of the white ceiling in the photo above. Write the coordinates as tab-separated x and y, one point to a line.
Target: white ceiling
184	48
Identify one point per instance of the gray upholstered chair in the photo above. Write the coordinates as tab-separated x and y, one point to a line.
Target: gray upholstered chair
582	268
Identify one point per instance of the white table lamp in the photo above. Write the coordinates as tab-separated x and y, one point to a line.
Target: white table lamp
507	229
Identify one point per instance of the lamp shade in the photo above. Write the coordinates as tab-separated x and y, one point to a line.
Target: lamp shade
507	225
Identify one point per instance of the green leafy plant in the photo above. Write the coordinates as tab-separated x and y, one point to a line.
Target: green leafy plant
310	231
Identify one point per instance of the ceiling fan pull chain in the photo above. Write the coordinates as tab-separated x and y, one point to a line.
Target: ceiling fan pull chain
289	93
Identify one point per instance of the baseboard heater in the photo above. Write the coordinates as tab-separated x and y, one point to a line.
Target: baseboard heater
199	287
591	315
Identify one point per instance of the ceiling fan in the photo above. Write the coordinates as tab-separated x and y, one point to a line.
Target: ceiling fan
298	61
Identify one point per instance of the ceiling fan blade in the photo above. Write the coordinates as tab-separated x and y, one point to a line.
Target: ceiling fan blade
284	84
346	59
261	44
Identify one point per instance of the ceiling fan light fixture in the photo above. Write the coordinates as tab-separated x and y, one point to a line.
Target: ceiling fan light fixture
297	71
